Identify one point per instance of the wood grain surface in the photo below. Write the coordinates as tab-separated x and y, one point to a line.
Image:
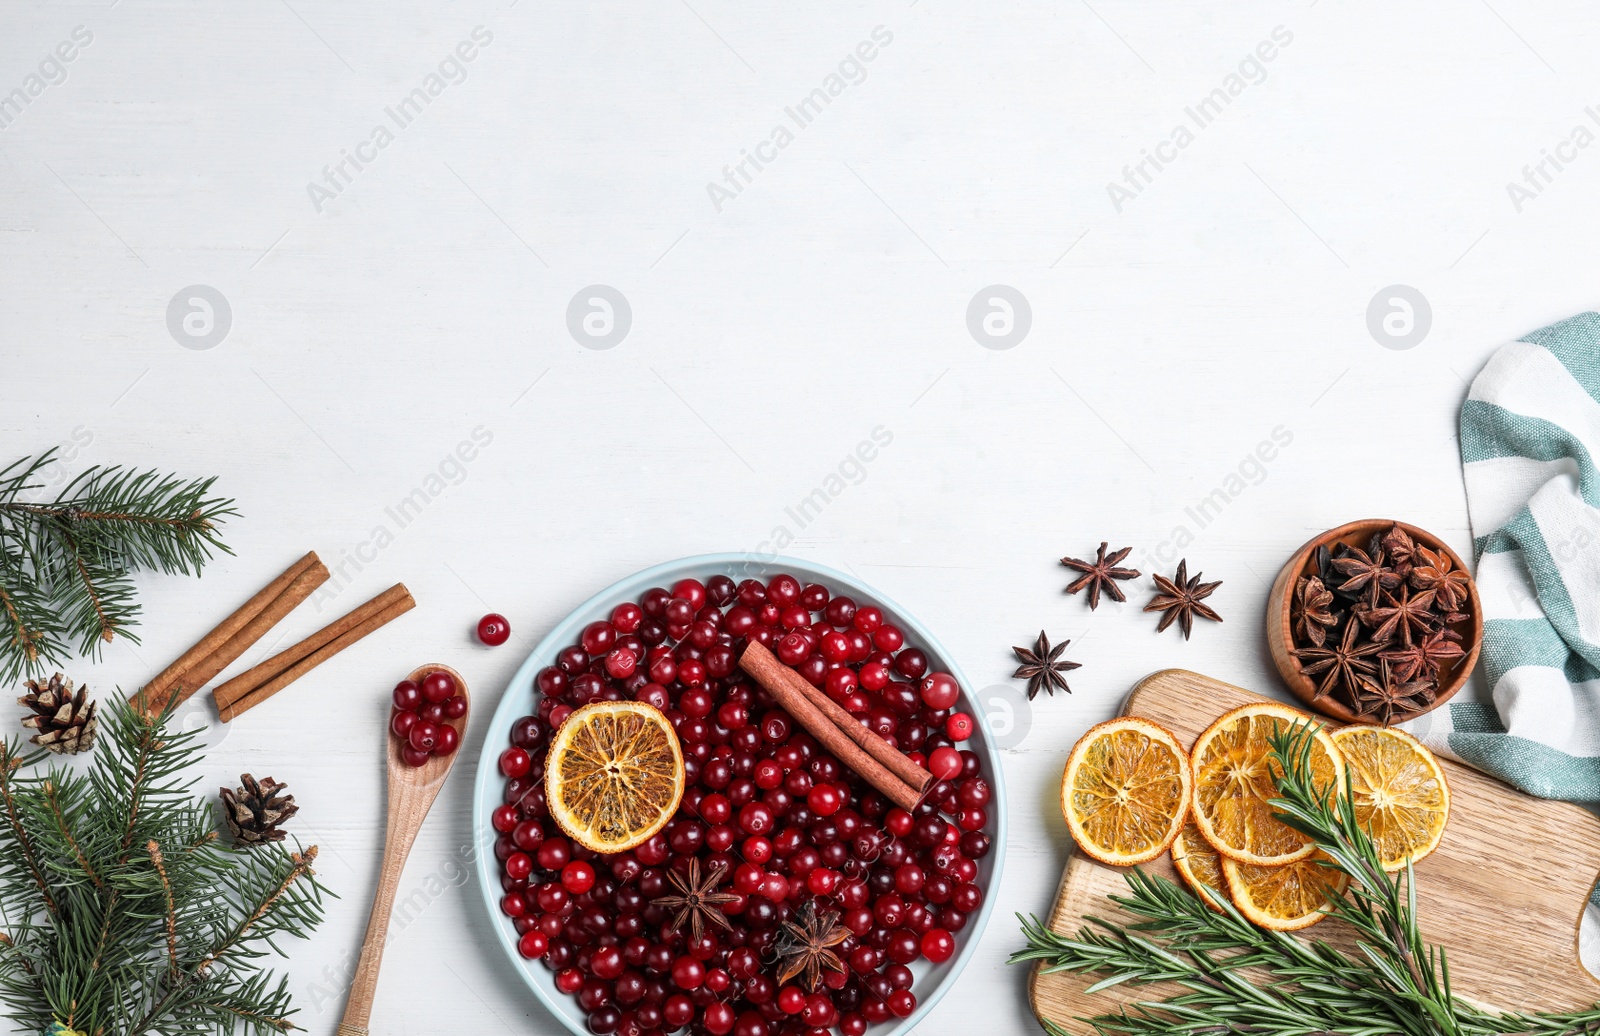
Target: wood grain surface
1502	894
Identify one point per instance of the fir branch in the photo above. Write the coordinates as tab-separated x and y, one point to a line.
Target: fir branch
1234	979
154	849
66	564
170	938
21	844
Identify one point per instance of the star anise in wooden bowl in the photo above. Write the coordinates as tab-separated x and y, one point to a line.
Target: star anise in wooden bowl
1368	605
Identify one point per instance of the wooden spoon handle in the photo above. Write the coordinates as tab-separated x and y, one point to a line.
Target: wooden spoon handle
407	808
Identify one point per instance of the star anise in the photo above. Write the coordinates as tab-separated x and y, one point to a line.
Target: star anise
1423	659
698	901
1400	548
1365	574
1344	666
1436	573
1312	617
1042	667
1181	599
1101	574
1409	615
805	945
1387	698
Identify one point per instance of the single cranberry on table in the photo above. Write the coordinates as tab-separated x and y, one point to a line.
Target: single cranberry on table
493	629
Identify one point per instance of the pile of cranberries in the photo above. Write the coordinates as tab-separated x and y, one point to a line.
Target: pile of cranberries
420	713
785	820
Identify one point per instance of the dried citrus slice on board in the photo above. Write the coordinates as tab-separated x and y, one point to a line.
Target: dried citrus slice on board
1233	784
614	775
1199	865
1125	791
1287	898
1399	792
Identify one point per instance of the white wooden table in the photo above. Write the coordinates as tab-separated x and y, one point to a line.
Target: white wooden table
398	272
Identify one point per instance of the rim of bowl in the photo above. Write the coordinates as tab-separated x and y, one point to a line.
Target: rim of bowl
487	776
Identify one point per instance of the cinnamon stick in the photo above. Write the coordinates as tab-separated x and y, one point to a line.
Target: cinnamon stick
205	670
227	693
292	663
783	683
153	697
896	761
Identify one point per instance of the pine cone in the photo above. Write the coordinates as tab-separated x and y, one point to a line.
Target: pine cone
255	812
64	723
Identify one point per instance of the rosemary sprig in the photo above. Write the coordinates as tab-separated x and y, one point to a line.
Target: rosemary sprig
1395	984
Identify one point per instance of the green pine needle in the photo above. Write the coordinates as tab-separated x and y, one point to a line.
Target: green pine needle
1396	984
66	564
122	915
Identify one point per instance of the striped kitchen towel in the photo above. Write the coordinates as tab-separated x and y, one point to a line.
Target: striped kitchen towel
1530	443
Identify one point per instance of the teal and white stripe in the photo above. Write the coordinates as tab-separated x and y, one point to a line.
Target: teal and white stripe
1530	436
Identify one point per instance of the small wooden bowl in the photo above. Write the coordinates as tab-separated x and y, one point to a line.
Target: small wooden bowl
1280	633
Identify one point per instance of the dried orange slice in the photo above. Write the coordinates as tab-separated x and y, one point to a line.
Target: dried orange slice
1399	792
1199	865
1233	783
614	775
1125	791
1287	898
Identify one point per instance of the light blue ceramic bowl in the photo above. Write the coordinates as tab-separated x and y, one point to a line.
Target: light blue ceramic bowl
518	701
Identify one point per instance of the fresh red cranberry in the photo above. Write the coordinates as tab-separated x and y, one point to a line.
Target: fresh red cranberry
783	590
825	799
400	724
938	945
945	763
688	973
493	629
719	1018
577	877
448	741
598	638
839	611
959	727
407	695
551	681
438	685
527	835
423	736
455	707
554	853
515	762
621	663
504	818
691	590
874	676
939	690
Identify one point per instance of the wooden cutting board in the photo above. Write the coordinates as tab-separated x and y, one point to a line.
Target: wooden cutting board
1502	894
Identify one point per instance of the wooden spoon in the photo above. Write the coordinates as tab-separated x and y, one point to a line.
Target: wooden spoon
412	790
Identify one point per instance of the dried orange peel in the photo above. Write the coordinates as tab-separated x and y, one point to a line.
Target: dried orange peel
1234	774
1399	792
614	775
1286	898
1125	791
1199	866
